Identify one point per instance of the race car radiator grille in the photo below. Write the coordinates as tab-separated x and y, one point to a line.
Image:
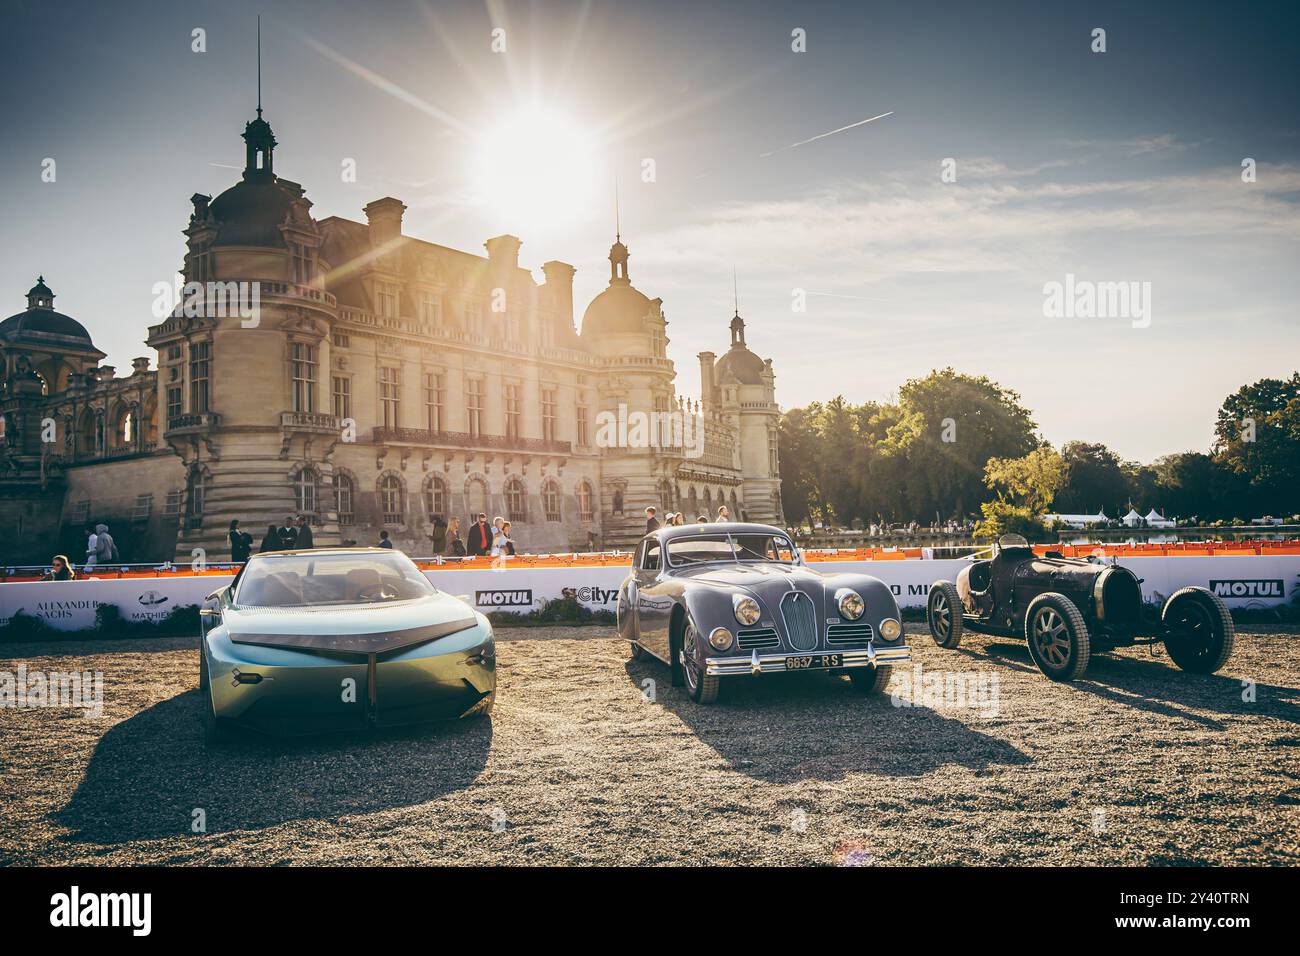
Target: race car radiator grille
848	633
757	637
800	620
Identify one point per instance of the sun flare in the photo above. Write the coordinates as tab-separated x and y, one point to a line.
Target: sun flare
536	169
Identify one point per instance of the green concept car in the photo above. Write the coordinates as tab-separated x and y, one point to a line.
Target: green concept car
306	642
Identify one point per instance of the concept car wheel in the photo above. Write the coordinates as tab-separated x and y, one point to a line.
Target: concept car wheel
1199	633
1057	636
702	688
870	680
215	730
943	614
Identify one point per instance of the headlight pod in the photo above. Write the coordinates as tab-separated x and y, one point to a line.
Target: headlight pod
746	609
890	629
720	638
849	603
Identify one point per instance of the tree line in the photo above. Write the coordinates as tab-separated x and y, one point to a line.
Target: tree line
956	447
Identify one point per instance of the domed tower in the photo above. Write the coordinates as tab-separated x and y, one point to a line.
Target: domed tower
244	361
628	331
741	387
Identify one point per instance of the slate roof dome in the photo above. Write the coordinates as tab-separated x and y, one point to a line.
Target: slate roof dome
39	319
621	306
250	213
738	363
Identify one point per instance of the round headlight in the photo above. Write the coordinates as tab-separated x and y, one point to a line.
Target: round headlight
890	629
746	608
850	604
720	638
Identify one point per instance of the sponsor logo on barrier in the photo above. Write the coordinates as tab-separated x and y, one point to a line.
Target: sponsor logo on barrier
521	598
150	598
913	590
593	595
1257	588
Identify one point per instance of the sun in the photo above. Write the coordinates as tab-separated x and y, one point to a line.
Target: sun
536	169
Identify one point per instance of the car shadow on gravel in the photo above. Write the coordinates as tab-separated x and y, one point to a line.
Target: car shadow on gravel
788	727
1156	685
150	774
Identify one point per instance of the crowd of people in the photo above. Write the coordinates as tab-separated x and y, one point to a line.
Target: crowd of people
679	518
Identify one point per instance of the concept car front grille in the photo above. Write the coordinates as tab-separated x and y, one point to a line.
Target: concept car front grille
757	637
800	620
849	633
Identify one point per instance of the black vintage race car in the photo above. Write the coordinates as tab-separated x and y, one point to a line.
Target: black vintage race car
1066	608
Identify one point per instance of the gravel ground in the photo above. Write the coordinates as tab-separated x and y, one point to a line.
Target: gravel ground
1137	764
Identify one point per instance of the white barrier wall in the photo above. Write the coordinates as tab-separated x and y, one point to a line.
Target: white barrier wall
1242	581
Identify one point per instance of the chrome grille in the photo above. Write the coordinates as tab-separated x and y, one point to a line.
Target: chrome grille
856	633
757	637
800	620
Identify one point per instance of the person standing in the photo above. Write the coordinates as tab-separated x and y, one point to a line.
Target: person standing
679	519
105	546
241	544
60	570
271	542
439	535
383	540
91	542
498	536
455	547
723	514
288	536
480	537
507	543
651	522
304	539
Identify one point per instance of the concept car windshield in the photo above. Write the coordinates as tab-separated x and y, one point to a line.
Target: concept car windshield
299	580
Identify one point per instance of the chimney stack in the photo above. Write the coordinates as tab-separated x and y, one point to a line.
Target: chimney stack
706	376
385	218
559	283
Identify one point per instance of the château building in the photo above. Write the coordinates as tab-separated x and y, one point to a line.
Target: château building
382	380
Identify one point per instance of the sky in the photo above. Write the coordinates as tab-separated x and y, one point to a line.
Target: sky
1122	166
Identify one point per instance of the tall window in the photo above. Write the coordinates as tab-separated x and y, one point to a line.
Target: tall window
434	397
342	396
343	494
550	420
200	367
430	309
773	459
390	499
387	296
302	361
435	497
304	487
514	411
390	383
474	406
301	264
515	499
551	499
583	494
196	488
174	408
581	425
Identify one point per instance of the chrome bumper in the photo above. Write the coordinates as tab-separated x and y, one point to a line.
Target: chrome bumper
756	663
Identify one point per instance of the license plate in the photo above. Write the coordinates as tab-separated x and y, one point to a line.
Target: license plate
814	662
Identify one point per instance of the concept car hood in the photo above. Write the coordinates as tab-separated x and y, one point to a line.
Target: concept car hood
353	628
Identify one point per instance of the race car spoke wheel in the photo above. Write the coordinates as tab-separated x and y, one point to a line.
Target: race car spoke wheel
943	614
1057	636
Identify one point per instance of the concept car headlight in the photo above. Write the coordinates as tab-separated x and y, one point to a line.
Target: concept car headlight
746	608
890	629
850	604
720	638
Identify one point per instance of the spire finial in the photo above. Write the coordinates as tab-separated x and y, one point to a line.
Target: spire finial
735	292
259	66
618	233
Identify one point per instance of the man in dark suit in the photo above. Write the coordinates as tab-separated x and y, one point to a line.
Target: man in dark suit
288	534
304	539
479	540
651	522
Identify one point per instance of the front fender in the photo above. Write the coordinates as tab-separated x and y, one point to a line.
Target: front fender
878	600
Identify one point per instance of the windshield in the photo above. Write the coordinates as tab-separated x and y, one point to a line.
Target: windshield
302	580
734	547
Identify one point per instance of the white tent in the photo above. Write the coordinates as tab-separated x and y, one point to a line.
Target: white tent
1132	519
1155	519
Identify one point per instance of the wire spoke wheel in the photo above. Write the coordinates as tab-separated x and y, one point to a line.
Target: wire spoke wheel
690	669
940	616
1051	638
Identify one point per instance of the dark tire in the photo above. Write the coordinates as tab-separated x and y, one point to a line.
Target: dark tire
871	680
1199	633
702	688
203	665
1057	636
943	613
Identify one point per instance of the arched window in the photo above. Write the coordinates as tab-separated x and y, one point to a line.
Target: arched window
476	497
551	499
304	491
585	503
344	491
126	428
196	489
515	500
708	502
435	497
665	491
695	505
390	499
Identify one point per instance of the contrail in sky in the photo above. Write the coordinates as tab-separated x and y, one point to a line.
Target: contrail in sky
804	142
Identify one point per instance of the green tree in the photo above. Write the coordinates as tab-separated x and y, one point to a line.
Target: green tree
1030	482
1257	437
1094	478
